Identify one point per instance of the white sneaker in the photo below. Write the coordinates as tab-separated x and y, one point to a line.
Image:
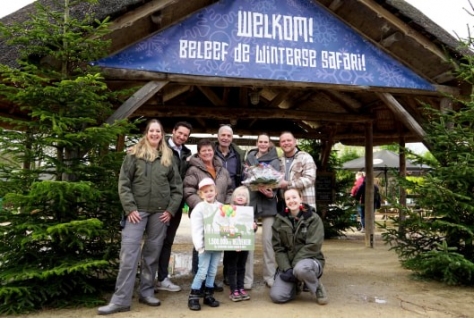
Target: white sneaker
362	230
168	285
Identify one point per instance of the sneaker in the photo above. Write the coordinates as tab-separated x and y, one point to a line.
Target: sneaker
235	296
112	308
167	285
321	295
243	295
362	230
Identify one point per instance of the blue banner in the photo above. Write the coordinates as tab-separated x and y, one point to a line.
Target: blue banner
285	40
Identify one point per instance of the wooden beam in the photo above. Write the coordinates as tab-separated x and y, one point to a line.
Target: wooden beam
279	98
349	104
402	26
129	18
172	91
402	115
444	77
211	96
227	113
135	75
450	90
136	100
391	39
335	4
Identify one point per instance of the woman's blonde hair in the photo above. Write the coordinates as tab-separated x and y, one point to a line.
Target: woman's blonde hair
243	189
359	174
144	150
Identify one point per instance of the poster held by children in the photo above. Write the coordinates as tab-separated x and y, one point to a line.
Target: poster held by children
229	227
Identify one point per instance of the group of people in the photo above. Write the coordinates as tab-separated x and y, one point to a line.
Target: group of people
158	178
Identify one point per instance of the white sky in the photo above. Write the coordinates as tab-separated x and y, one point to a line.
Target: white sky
449	14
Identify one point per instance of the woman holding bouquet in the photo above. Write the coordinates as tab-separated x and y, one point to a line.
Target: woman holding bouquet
264	202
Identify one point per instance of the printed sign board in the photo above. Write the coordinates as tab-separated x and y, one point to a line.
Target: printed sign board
298	40
325	187
229	228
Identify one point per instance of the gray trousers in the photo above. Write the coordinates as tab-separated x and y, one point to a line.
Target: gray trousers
269	265
132	236
307	271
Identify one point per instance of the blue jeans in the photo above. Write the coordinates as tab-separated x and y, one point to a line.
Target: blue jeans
361	211
207	269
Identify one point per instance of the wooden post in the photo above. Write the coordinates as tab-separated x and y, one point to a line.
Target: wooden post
403	195
369	187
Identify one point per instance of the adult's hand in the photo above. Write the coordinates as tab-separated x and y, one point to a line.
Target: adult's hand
166	217
284	184
288	276
266	191
134	217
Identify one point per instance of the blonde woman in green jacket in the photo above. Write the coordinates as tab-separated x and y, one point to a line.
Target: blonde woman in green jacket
150	189
298	235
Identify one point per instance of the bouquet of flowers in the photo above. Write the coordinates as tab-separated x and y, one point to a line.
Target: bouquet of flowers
261	175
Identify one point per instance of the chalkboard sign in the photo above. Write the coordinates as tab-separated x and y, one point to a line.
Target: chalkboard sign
325	187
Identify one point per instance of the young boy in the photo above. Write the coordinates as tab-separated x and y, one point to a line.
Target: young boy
208	260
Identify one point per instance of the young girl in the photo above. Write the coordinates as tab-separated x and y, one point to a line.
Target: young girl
236	259
298	235
208	260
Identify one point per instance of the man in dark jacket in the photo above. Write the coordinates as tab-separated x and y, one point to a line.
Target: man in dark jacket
230	154
232	158
181	153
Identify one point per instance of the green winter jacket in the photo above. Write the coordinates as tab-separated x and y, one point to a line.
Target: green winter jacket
149	186
302	240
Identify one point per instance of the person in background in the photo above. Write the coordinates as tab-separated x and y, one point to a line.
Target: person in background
360	198
208	259
298	235
150	191
299	170
201	165
237	259
264	202
359	179
232	159
181	153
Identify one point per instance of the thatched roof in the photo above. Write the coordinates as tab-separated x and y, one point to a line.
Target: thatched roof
395	26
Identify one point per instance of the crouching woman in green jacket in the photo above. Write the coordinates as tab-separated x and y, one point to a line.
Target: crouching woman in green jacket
298	235
150	190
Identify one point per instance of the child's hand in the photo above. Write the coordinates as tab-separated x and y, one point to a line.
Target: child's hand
200	251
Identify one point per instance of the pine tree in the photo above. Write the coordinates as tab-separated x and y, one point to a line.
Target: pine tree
439	245
59	225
